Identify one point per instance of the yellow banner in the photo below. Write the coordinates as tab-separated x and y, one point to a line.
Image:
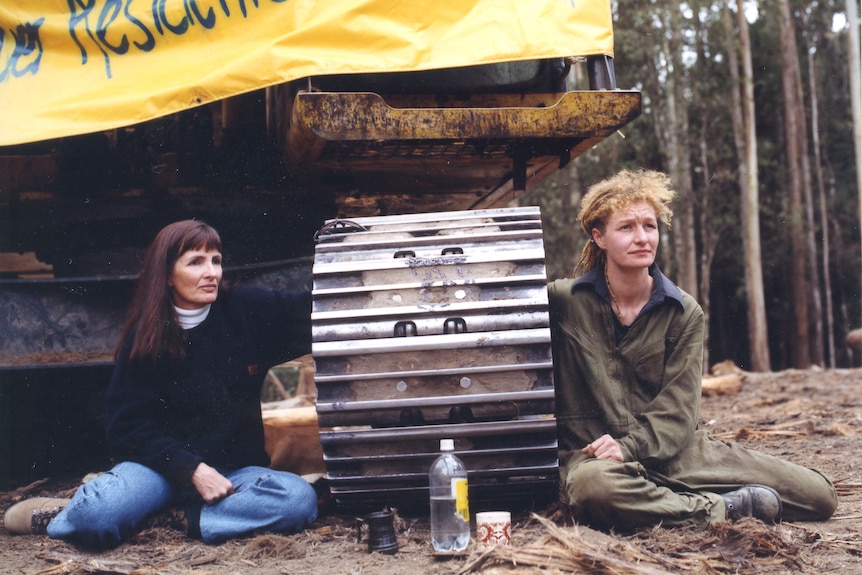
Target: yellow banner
78	66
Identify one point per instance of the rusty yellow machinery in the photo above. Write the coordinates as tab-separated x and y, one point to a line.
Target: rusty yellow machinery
267	167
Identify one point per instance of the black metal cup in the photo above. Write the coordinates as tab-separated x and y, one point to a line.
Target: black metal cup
381	532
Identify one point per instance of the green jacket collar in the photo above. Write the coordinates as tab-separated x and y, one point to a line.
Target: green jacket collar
663	289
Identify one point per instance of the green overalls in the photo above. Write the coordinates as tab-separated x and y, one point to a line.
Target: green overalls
645	392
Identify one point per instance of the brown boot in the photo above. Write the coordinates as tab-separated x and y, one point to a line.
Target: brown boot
758	501
178	520
31	516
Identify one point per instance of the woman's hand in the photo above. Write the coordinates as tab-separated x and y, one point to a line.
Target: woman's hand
605	447
210	484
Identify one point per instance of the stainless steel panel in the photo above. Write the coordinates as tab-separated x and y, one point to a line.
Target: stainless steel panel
431	326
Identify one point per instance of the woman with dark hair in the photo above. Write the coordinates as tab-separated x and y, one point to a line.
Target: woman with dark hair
628	349
183	408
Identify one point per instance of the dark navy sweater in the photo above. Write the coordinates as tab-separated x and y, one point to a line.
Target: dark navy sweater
173	415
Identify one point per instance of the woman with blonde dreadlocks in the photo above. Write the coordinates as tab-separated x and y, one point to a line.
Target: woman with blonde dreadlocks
628	347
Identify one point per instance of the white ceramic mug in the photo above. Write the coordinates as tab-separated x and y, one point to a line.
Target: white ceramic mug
493	528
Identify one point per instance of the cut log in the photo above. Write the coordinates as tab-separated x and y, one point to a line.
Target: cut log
722	385
292	439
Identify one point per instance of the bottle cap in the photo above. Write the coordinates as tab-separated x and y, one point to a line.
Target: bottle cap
447	445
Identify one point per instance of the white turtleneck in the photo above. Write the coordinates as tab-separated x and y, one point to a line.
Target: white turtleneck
190	318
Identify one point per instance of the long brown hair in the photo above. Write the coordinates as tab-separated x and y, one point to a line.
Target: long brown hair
151	322
617	193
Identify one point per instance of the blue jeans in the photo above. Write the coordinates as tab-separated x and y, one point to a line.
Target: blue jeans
107	510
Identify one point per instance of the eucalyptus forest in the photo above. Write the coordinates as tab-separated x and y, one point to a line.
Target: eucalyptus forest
752	108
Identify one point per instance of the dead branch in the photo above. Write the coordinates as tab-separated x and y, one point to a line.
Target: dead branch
565	550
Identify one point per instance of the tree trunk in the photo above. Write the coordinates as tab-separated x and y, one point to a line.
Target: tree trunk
707	240
664	126
799	275
679	159
745	136
854	49
815	300
824	220
708	237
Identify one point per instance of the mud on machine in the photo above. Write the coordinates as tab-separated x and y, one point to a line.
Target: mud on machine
430	326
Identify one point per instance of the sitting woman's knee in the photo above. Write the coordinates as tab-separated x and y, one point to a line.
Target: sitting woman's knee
588	482
299	498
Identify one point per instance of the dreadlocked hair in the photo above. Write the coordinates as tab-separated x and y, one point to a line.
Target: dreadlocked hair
615	194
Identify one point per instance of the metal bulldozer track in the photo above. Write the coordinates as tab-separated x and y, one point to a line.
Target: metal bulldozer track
430	326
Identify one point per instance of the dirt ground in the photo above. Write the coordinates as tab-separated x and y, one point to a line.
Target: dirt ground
812	417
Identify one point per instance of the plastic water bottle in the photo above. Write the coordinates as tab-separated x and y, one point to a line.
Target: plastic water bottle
450	510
